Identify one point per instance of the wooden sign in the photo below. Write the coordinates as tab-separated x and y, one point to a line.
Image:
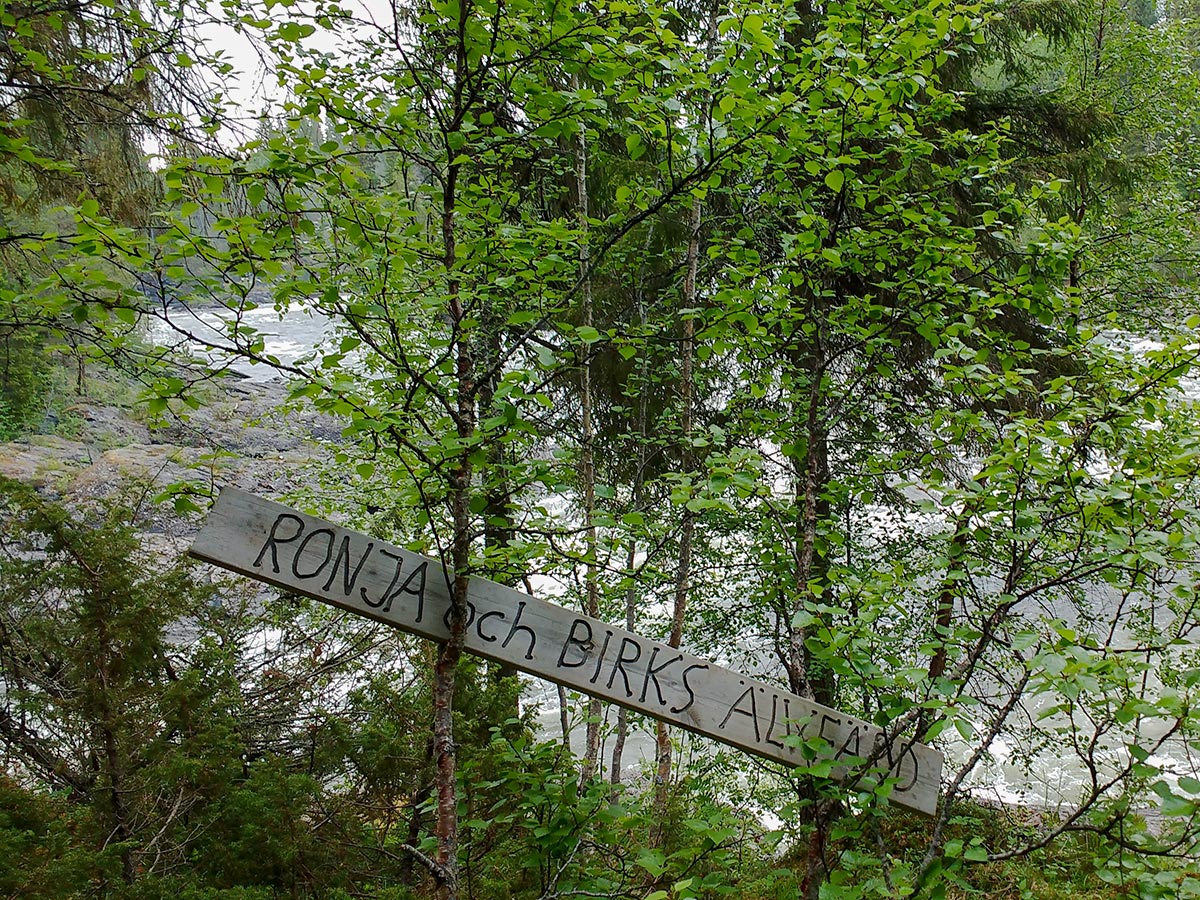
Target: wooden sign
367	576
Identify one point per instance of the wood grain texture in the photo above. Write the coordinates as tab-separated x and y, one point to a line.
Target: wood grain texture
369	577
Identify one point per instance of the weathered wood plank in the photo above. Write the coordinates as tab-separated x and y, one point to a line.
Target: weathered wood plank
372	578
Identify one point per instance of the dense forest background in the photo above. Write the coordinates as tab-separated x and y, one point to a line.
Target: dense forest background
849	344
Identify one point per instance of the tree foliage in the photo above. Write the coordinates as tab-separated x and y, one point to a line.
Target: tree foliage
862	333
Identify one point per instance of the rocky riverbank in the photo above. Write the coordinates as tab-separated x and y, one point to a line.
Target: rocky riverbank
96	448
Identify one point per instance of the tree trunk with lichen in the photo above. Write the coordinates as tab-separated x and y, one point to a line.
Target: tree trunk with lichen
683	574
587	459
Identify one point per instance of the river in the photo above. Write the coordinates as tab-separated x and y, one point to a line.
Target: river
288	338
1052	780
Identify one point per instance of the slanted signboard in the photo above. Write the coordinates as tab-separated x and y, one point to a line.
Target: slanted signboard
372	578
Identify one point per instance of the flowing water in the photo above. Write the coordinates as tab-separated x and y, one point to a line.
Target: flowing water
1051	781
201	332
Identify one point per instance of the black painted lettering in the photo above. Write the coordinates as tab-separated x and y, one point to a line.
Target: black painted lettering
413	585
449	609
417	590
687	687
851	744
600	659
619	665
907	755
896	764
343	557
810	726
751	713
326	533
775	720
517	626
828	720
494	614
652	672
362	592
770	738
582	642
273	539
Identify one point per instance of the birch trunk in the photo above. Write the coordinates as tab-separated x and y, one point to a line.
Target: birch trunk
662	779
449	653
639	480
587	461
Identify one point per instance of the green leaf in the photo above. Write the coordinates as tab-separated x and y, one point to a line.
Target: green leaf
1189	785
296	31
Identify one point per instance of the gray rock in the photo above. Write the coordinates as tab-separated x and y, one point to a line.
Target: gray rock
242	436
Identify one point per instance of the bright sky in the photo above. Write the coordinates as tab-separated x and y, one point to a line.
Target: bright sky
252	88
